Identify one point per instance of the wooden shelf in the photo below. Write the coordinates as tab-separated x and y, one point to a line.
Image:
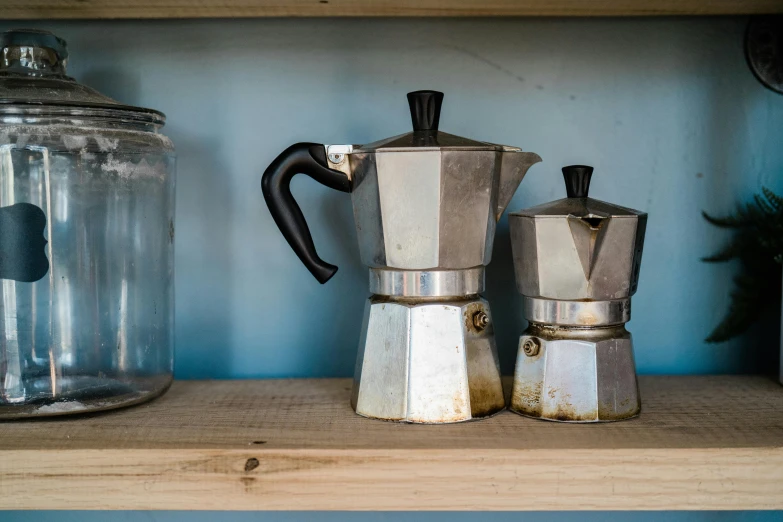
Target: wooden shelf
30	9
701	443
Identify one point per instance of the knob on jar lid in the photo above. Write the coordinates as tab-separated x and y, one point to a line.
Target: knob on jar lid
34	38
33	79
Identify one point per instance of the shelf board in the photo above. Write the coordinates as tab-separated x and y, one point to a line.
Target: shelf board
711	442
31	9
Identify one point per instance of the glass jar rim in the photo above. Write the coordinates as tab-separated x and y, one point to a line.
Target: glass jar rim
118	112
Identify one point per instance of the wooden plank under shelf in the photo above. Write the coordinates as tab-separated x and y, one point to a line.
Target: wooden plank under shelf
32	9
711	442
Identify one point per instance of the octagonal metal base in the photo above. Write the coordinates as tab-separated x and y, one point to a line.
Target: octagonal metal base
576	375
427	362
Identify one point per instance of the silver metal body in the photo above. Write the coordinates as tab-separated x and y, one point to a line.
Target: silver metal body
427	352
434	284
425	206
575	374
577	249
577	263
429	208
577	313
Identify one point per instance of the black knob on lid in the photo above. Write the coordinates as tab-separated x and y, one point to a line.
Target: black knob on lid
425	109
577	180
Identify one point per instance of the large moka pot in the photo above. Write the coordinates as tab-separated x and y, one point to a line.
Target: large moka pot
426	204
577	264
86	240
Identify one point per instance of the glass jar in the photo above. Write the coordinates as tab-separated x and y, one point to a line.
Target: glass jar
86	240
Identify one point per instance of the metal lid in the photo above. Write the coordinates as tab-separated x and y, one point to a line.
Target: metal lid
33	80
425	115
577	204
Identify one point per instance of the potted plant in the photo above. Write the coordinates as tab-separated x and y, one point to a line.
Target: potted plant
757	243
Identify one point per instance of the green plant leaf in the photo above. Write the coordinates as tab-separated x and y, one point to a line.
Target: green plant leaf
757	242
733	221
731	251
743	311
775	200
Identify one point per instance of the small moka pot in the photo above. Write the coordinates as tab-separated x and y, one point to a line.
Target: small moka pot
577	264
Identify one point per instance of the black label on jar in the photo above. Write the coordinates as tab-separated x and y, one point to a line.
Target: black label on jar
22	243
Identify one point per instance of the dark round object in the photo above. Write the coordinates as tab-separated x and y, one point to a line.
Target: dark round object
764	50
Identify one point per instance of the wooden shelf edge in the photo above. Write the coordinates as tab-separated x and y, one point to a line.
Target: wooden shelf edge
108	9
701	442
525	480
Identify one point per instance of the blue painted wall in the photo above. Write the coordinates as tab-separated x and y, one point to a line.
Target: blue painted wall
665	109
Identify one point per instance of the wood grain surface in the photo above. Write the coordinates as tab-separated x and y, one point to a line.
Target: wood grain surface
701	443
30	9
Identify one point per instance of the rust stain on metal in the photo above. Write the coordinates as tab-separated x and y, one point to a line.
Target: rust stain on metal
590	334
566	412
486	397
407	301
456	415
526	399
459	405
625	409
587	319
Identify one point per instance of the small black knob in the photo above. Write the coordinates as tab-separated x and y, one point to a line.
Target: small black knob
425	109
577	180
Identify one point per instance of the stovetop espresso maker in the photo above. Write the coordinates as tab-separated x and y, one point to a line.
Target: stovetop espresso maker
577	263
426	204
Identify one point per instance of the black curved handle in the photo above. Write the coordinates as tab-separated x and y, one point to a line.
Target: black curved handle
300	158
577	180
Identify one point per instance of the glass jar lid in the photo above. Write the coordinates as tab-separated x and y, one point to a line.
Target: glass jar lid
33	81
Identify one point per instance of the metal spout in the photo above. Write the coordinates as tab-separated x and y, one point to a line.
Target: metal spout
513	166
